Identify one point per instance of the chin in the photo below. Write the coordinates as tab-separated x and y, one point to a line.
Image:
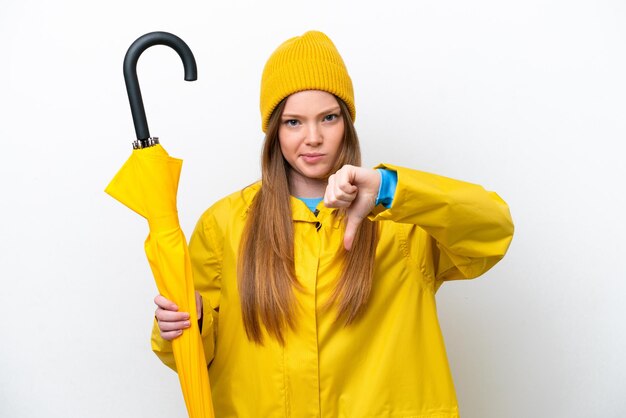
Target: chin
317	175
313	173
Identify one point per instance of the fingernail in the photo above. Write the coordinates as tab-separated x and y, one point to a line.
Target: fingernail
187	324
175	307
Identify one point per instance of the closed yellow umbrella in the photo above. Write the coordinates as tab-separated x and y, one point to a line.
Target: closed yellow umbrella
147	183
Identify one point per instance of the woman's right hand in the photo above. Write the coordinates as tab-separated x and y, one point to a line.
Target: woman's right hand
171	322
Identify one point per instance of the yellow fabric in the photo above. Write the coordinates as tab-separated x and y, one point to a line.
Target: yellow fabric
307	62
392	361
147	184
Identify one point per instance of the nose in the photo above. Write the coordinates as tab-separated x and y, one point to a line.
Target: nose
314	135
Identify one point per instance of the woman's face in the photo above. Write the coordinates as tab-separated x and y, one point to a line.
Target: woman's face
310	134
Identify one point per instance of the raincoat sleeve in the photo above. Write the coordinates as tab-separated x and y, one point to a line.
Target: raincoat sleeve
205	253
467	228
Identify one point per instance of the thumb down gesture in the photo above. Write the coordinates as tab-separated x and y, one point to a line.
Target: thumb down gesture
356	189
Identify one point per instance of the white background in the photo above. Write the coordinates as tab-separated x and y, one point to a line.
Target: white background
527	98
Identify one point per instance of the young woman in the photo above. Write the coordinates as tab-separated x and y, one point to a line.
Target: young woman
316	286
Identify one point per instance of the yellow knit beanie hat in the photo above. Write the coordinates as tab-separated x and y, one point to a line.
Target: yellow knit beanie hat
307	62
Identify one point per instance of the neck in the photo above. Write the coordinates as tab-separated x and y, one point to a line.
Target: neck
305	187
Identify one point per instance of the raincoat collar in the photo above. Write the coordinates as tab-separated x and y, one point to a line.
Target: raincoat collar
326	216
299	211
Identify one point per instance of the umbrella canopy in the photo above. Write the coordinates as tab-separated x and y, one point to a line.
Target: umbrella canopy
148	183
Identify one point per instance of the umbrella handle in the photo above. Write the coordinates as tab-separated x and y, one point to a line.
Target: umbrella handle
130	73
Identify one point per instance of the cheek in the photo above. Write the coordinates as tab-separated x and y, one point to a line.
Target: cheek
338	136
286	143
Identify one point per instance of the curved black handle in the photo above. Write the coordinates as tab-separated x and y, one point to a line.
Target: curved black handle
130	72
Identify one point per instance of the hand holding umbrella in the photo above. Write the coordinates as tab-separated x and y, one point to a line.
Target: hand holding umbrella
147	184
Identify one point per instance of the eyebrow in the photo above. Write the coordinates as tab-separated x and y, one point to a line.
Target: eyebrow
335	109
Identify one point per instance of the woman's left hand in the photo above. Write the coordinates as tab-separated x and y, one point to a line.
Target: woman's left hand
356	189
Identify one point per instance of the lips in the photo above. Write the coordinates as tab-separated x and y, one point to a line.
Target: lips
312	157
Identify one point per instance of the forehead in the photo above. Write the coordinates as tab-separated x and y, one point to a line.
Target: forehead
310	102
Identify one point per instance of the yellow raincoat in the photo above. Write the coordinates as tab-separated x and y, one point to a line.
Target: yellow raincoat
392	361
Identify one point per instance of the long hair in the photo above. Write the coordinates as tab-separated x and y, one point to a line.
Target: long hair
266	270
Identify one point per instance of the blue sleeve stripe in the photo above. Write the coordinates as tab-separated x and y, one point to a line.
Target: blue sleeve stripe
387	189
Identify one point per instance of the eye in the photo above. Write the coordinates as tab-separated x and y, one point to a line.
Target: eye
331	117
291	122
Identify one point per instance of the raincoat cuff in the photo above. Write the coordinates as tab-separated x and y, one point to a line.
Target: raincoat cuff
162	348
387	192
207	332
387	189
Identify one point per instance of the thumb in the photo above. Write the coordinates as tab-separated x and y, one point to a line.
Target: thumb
352	226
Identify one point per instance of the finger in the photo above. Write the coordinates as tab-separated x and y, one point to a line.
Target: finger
340	204
336	197
329	195
332	201
348	238
345	187
199	305
344	182
342	196
170	316
165	303
173	326
352	226
171	335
